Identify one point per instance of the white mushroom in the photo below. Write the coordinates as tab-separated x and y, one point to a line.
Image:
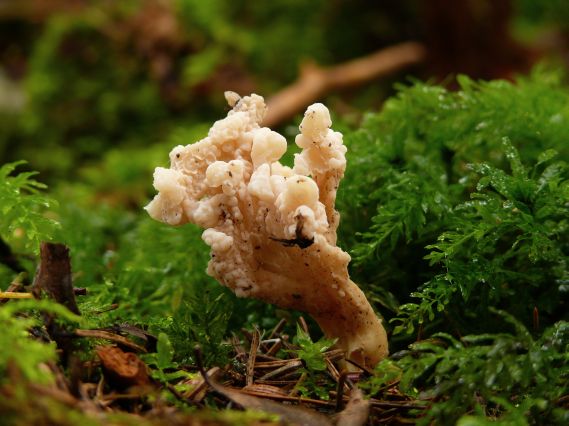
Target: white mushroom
272	229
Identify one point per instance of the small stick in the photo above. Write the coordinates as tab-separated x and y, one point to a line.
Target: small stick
393	404
275	363
15	295
117	338
277	329
280	383
194	394
274	348
294	364
198	354
14	287
239	351
303	325
366	370
252	356
344	379
99	394
266	358
177	394
535	318
335	354
300	381
315	82
332	370
80	291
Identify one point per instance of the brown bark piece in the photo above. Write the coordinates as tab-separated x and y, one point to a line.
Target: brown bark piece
54	275
122	369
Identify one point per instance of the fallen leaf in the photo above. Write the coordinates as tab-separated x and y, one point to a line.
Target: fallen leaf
123	369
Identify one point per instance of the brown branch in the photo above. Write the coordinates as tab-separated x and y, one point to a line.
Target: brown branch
314	81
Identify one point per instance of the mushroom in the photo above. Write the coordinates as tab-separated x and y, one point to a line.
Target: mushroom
272	228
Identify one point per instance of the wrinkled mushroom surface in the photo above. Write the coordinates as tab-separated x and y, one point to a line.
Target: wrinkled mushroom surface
272	228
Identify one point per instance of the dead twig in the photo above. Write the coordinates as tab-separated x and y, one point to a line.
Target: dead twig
14	289
16	285
291	365
80	291
252	356
332	370
314	81
303	325
117	338
274	348
277	329
197	391
343	380
240	353
276	363
15	295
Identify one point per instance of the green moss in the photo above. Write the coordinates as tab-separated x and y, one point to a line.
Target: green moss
22	220
511	378
21	353
460	199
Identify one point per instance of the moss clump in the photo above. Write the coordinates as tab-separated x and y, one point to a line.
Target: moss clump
460	199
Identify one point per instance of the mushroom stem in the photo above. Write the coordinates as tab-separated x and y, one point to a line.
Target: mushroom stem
360	332
315	280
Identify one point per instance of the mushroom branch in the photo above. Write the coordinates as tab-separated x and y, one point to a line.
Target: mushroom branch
272	228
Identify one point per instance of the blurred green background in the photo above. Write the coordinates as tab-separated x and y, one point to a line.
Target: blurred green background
97	91
94	94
